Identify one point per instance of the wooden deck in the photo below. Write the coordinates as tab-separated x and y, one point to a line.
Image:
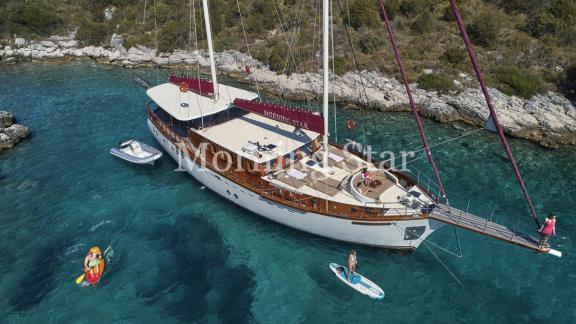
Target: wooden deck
457	217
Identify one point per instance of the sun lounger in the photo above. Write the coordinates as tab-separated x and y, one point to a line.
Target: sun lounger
293	182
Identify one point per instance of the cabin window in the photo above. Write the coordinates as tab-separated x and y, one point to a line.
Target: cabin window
414	233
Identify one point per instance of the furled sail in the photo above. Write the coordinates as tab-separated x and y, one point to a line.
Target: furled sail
291	116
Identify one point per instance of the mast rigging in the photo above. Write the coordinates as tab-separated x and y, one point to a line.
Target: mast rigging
493	116
413	104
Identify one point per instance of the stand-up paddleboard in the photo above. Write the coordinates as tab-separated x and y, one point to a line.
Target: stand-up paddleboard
358	282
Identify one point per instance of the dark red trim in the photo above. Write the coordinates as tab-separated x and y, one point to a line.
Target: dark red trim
200	86
295	117
493	114
412	103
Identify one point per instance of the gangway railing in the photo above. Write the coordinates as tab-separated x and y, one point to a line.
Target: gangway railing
465	220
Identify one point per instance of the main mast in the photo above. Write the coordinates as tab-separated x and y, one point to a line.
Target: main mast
210	48
325	68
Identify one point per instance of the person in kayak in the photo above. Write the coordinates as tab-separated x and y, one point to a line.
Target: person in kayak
548	229
352	262
92	261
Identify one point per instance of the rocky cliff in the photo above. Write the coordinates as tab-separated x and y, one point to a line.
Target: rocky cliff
548	119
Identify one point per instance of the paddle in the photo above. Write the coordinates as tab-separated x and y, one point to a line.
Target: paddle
80	279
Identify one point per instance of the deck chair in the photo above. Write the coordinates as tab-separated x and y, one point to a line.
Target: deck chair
325	186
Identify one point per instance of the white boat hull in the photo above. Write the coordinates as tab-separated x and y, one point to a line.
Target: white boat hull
391	234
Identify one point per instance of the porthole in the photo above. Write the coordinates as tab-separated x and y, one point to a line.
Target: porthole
236	196
228	192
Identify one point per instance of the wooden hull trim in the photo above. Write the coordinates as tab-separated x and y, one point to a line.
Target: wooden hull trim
334	209
336	228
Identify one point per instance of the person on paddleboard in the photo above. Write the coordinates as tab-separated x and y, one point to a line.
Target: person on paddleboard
547	230
352	262
92	261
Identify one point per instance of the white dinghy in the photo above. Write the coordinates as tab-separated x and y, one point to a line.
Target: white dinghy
136	152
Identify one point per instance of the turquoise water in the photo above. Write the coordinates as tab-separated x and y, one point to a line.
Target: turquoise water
177	253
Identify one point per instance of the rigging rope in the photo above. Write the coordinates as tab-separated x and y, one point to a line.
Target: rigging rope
362	90
437	144
195	35
246	40
314	37
444	265
452	274
412	103
280	20
493	114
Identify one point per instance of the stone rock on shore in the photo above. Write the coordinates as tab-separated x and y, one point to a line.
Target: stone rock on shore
548	119
10	134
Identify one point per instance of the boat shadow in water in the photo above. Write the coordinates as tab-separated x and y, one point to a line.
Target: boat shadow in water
38	282
200	273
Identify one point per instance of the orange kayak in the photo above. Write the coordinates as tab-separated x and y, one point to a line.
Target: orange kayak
93	279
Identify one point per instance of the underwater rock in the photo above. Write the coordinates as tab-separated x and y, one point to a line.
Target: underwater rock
17	131
6	119
10	133
6	141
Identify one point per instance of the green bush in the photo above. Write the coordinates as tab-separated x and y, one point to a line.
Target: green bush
262	17
392	8
29	19
542	23
93	33
454	55
341	65
424	23
364	13
414	7
570	81
485	29
448	14
171	36
523	6
565	10
436	82
369	41
518	82
277	57
558	18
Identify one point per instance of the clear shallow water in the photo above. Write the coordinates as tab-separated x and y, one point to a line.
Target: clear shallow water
178	253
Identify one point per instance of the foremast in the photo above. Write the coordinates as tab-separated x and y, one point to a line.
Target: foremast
325	70
210	48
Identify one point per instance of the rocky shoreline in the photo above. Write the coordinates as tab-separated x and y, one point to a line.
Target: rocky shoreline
549	119
10	133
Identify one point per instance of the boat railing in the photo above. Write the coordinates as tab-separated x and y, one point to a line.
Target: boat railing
287	197
482	210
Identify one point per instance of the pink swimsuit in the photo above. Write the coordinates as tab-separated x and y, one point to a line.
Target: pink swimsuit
549	227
